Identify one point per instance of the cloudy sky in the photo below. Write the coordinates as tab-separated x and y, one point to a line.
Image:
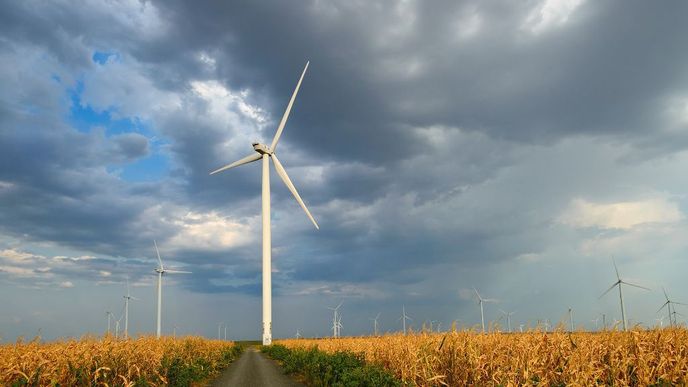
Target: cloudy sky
515	147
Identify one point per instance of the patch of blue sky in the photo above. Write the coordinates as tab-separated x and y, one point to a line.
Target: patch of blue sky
102	57
154	167
84	118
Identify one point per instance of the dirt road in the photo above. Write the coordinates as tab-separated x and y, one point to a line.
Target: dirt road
254	369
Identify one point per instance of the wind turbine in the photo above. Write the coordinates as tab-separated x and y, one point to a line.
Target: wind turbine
161	270
404	317
668	304
126	310
571	319
618	283
374	320
335	321
597	322
298	334
219	327
661	321
109	316
481	301
266	153
508	318
339	325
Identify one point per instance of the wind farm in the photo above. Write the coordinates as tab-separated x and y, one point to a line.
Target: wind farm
494	193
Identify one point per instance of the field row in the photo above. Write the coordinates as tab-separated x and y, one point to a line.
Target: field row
635	358
110	362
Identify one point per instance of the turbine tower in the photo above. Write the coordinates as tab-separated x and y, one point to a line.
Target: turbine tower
481	301
618	283
266	154
161	270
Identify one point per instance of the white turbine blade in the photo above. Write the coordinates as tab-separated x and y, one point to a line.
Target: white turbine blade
616	269
477	294
637	286
610	288
283	122
677	303
490	300
245	160
158	252
665	293
663	305
134	298
285	178
177	271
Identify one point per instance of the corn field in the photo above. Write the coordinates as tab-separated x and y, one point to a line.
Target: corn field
107	361
458	358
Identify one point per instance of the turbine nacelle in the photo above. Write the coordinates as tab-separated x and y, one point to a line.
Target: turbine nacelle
262	148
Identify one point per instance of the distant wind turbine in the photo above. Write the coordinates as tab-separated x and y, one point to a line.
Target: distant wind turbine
404	317
374	320
109	316
161	270
571	319
298	334
336	322
481	301
266	154
618	283
668	305
508	318
127	298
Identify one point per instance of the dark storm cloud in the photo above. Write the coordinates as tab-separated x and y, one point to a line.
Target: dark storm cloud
405	116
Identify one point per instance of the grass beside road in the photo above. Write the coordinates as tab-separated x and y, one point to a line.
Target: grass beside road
318	368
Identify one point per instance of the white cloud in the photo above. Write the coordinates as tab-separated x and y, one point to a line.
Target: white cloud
224	102
620	215
210	230
66	284
16	256
550	13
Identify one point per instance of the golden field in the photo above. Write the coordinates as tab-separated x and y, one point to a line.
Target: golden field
458	358
108	362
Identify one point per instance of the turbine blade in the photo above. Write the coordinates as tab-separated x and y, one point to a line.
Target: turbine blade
283	122
663	305
477	294
285	178
610	288
245	160
616	269
677	303
177	272
665	293
637	286
158	252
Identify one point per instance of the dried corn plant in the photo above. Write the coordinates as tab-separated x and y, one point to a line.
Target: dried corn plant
104	362
458	358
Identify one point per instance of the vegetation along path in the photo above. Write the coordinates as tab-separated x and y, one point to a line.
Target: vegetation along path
253	369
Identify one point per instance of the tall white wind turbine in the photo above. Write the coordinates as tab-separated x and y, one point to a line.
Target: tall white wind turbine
127	298
481	301
618	283
161	270
266	154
